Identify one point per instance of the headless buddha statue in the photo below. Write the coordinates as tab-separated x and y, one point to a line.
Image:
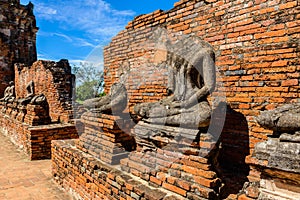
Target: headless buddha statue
191	78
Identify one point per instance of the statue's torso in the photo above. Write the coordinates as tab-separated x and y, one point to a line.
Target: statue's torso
186	82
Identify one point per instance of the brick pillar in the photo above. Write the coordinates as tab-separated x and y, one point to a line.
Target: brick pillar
106	137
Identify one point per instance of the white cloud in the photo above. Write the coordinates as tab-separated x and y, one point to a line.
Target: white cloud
95	58
76	62
76	41
44	56
97	65
83	43
95	17
45	12
123	12
107	30
67	38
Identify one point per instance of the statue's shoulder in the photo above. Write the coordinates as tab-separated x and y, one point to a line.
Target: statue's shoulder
117	88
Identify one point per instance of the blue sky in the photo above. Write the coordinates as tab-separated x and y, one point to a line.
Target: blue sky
78	30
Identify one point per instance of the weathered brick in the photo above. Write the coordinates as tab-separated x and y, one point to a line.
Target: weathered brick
155	180
293	24
290	82
280	63
183	184
174	189
195	171
270	34
244	197
288	5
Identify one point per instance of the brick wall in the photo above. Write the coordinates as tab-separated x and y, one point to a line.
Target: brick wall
86	177
54	80
34	140
256	46
17	38
257	49
33	127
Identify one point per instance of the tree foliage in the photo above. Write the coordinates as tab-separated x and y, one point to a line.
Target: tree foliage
89	81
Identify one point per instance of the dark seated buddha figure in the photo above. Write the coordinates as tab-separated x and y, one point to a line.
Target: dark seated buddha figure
9	93
31	97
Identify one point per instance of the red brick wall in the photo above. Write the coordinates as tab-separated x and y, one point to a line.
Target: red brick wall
256	46
145	82
34	140
257	56
17	39
52	79
86	177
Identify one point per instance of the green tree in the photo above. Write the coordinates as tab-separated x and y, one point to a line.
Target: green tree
89	81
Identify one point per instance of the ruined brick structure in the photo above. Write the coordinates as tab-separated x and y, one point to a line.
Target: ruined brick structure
31	125
257	57
54	80
17	38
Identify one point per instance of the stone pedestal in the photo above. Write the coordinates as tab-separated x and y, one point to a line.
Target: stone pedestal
180	160
106	137
83	166
275	167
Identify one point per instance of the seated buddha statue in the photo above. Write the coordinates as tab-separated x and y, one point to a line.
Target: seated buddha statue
191	78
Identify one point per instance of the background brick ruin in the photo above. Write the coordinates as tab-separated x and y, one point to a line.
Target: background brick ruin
17	38
54	80
32	127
